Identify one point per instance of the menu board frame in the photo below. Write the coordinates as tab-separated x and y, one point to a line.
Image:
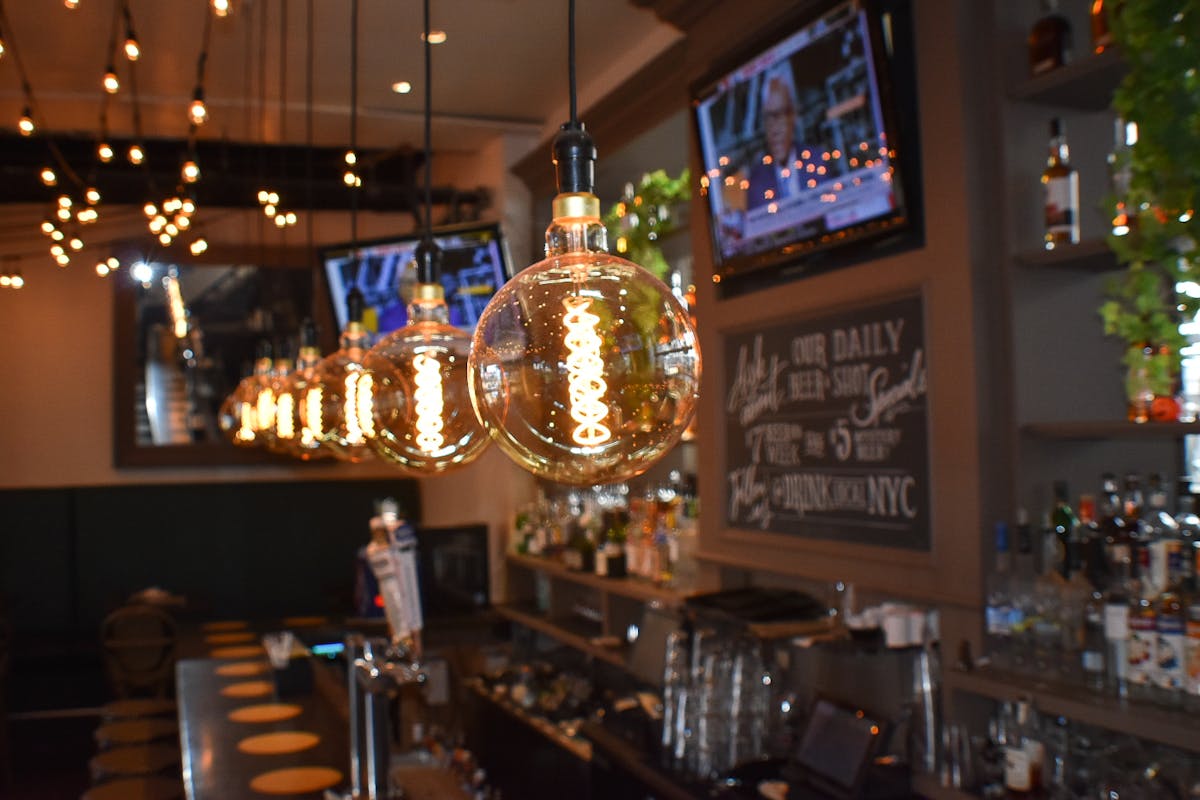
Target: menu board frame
826	426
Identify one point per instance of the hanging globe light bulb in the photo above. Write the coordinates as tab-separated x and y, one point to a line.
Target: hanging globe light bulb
423	416
277	436
584	367
238	416
344	421
299	399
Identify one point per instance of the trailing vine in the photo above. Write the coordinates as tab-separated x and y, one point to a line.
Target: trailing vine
1160	43
638	222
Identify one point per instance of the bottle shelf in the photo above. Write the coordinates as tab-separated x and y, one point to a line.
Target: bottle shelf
569	632
1110	429
1092	255
1084	85
633	588
1167	726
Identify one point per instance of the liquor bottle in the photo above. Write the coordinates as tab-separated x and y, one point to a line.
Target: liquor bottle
1060	182
1133	506
1143	633
1024	755
1023	563
1049	40
1158	530
998	615
1192	645
1062	519
1172	631
1093	658
1117	598
1102	36
614	547
1044	627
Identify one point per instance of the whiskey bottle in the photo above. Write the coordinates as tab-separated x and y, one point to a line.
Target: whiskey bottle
1060	182
1024	756
1049	40
1171	679
1143	634
1102	36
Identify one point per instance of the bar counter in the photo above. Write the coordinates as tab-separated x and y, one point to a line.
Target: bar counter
214	694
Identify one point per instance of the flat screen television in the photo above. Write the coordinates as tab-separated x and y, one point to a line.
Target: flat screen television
809	143
475	264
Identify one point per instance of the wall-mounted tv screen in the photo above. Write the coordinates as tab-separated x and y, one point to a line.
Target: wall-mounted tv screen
475	264
809	144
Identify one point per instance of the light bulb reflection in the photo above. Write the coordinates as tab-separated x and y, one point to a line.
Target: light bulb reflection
264	409
360	425
312	433
284	416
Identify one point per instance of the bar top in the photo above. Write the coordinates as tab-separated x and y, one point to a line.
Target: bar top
232	728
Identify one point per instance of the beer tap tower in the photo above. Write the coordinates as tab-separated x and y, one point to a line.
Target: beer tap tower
377	667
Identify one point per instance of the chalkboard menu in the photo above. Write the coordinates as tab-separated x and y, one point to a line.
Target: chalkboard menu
826	431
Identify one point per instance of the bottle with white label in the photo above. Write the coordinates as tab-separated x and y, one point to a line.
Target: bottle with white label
1143	634
1024	756
1116	619
1170	673
1060	184
1192	645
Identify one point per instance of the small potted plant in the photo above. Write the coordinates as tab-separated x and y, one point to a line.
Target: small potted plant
1155	186
644	215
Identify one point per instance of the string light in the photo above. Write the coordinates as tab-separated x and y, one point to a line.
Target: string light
63	260
222	8
11	280
64	201
76	243
198	111
71	4
187	206
182	222
111	84
64	214
57	250
113	263
87	216
151	210
164	238
25	123
199	246
104	152
2	47
190	171
401	87
57	235
136	154
48	176
48	227
92	195
102	269
133	50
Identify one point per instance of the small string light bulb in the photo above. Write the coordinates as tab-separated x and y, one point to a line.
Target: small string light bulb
87	216
64	201
190	171
25	123
280	221
57	235
102	269
188	206
182	222
92	194
171	230
48	227
164	238
2	47
76	243
113	262
136	154
151	210
104	152
63	259
199	246
262	197
71	4
351	157
222	8
48	176
57	250
133	50
198	111
111	84
291	217
273	198
64	214
269	210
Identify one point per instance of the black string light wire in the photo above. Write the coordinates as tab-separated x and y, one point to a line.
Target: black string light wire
354	123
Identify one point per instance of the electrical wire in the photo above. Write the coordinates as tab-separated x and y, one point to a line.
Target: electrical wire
354	120
571	61
428	130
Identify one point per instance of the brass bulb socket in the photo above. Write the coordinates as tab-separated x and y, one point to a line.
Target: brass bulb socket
428	292
576	205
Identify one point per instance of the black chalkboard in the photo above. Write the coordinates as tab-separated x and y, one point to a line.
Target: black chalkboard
826	431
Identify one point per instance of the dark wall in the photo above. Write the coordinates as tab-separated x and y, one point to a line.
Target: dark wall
69	556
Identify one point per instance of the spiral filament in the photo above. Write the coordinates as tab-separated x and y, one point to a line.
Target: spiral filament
245	431
360	424
265	410
285	407
585	373
311	432
429	401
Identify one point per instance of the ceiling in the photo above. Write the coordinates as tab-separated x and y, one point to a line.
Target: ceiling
502	68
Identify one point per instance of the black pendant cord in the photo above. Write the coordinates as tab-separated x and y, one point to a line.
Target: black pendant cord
426	258
308	137
354	121
574	152
571	62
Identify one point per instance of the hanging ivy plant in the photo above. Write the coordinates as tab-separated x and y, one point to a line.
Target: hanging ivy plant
637	223
1160	43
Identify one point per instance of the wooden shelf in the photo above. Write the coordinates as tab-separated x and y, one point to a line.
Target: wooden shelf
1085	85
634	588
1175	728
576	745
1092	255
1110	429
563	631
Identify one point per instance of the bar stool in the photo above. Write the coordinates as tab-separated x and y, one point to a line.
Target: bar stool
135	731
137	707
153	788
133	762
139	650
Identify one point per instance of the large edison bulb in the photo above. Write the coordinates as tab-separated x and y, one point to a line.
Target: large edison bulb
340	413
584	368
241	415
299	400
278	431
423	416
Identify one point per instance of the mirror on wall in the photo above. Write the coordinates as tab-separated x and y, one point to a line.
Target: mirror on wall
185	334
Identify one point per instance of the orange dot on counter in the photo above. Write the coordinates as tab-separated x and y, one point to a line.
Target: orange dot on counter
238	651
266	712
279	742
248	689
243	669
296	780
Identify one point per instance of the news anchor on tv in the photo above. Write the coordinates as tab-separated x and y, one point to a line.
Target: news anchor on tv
777	174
